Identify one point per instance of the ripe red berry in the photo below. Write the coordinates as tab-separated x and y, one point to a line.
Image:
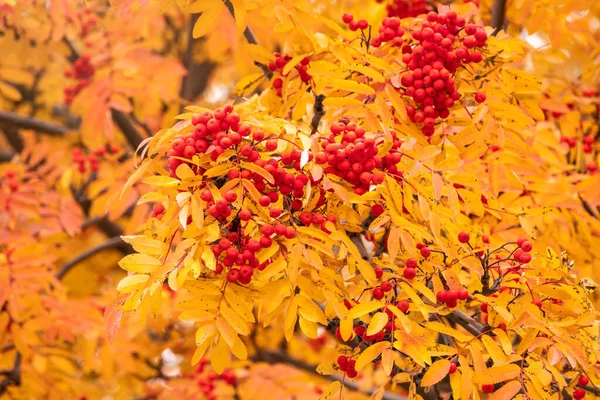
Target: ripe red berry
452	368
234	275
463	237
409	273
583	380
378	273
480	97
378	294
306	218
362	24
526	246
230	196
520	241
264	201
441	296
386	286
524	258
488	388
347	18
411	263
245	215
578	394
403	305
275	212
463	294
425	252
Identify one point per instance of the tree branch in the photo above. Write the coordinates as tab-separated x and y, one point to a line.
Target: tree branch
13	377
35	124
6	156
131	134
274	357
198	74
114	242
249	35
498	13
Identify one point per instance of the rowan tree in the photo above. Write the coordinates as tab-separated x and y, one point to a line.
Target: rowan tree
382	199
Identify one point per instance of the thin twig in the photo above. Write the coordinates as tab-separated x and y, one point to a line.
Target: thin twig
249	35
111	243
35	124
13	377
498	14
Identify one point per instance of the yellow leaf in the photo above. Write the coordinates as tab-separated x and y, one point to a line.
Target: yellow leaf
346	329
239	11
506	392
497	374
208	19
10	92
142	263
291	64
161	181
369	72
377	323
394	242
341	101
331	390
436	372
233	319
204	333
387	360
364	308
442	328
131	283
220	357
248	84
239	349
371	353
352	86
259	170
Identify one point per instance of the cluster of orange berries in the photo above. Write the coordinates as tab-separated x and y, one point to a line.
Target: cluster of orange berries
82	71
407	8
207	382
13	183
436	50
279	64
80	158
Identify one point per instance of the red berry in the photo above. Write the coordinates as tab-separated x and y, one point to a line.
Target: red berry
578	394
347	18
425	252
583	380
463	294
409	273
378	294
526	246
524	258
342	360
245	215
362	24
488	388
452	368
403	305
386	286
378	272
441	296
411	263
480	97
264	201
233	276
463	237
520	241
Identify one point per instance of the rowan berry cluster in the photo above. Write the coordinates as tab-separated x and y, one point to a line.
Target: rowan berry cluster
348	366
86	20
390	30
451	297
13	182
82	71
432	55
353	158
279	64
219	130
353	24
81	158
407	8
207	381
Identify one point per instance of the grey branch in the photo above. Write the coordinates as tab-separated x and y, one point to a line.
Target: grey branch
112	243
249	35
35	124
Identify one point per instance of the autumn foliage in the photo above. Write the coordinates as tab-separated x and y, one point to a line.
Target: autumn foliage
299	199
